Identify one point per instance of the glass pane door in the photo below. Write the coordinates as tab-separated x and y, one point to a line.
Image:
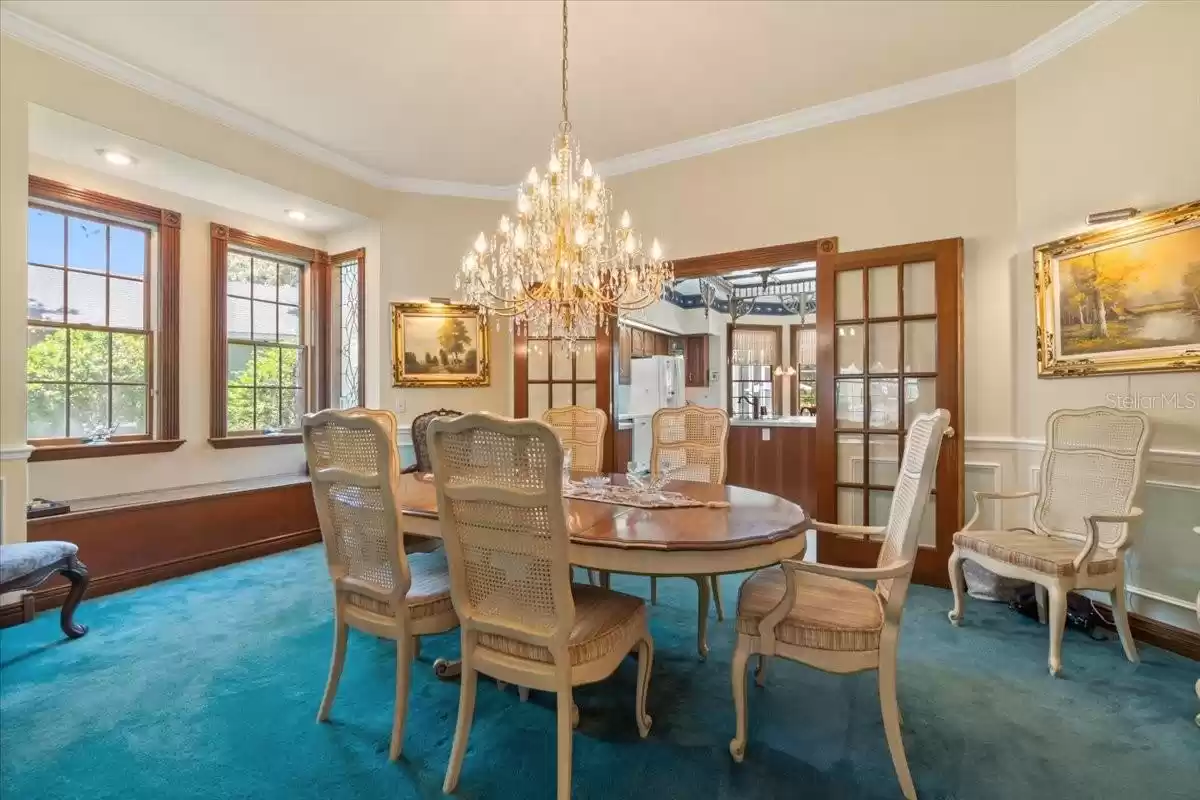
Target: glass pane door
889	323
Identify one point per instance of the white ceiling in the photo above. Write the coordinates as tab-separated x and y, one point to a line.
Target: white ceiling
74	141
467	91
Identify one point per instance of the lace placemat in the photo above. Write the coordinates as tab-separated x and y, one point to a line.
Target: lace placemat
628	496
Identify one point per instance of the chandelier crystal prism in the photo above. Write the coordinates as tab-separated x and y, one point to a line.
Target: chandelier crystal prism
561	266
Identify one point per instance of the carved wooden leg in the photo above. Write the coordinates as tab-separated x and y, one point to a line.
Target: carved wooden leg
653	591
737	678
340	630
958	584
1121	621
416	647
1058	621
702	584
716	593
403	671
891	716
645	651
77	574
462	730
1039	593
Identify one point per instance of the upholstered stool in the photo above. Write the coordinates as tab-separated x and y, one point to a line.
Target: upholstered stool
28	564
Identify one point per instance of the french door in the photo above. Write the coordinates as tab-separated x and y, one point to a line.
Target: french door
889	340
547	374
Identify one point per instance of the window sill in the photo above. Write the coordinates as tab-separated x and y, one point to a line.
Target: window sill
229	442
65	452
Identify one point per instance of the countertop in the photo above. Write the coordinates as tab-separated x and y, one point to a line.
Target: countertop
776	422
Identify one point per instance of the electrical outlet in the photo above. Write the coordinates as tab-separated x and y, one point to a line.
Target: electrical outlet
766	434
399	402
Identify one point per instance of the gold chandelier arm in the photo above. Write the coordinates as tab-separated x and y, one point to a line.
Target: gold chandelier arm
566	119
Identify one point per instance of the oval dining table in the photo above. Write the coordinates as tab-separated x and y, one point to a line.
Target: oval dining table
738	530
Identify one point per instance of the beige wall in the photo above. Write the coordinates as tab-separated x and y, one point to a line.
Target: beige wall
939	169
1115	122
424	239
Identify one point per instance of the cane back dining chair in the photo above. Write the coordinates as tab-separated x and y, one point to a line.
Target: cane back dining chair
420	429
818	614
689	444
378	589
1090	476
581	432
499	488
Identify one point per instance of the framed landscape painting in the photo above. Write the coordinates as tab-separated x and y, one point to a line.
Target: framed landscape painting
1121	300
439	344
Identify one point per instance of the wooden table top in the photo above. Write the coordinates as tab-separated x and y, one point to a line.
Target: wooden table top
753	518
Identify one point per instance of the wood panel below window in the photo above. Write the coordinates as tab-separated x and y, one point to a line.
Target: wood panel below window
133	545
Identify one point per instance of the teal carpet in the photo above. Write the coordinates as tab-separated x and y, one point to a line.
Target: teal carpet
207	687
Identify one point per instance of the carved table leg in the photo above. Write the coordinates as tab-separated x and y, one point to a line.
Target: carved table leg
704	585
77	574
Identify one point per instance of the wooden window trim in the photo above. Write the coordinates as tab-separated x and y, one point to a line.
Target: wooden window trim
315	297
792	331
771	256
776	399
162	376
360	255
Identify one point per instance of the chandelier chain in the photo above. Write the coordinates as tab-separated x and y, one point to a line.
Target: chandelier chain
566	119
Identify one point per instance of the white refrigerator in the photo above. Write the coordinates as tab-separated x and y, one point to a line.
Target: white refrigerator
655	382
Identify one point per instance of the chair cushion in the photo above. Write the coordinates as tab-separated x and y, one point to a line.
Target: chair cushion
19	560
429	594
828	613
604	619
1045	554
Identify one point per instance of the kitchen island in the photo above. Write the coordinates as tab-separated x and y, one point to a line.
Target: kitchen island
774	454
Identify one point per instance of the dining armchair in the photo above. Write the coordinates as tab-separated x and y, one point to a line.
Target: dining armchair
378	588
689	444
1089	479
499	491
581	432
822	616
420	429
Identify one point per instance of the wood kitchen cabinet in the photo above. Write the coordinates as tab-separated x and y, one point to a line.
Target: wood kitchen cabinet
624	454
661	344
695	361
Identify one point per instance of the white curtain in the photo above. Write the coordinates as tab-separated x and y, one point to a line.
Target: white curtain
755	347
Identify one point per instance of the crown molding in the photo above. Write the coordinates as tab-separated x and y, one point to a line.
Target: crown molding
1095	17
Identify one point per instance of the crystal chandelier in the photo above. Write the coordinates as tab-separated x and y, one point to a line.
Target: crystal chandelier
562	266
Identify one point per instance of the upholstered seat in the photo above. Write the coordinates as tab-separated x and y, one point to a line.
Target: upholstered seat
26	565
604	620
25	558
1048	555
429	594
828	613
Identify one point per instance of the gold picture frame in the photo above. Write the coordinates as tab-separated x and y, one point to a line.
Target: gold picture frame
439	345
1121	300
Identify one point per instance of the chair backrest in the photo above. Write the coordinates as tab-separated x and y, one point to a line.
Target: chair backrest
581	432
420	432
500	506
1092	465
355	472
689	443
909	499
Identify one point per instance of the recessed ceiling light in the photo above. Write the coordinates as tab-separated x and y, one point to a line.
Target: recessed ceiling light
117	158
299	216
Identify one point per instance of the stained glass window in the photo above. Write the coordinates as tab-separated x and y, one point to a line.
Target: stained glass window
347	320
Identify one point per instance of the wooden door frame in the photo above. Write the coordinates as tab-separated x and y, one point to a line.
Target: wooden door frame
947	256
606	377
